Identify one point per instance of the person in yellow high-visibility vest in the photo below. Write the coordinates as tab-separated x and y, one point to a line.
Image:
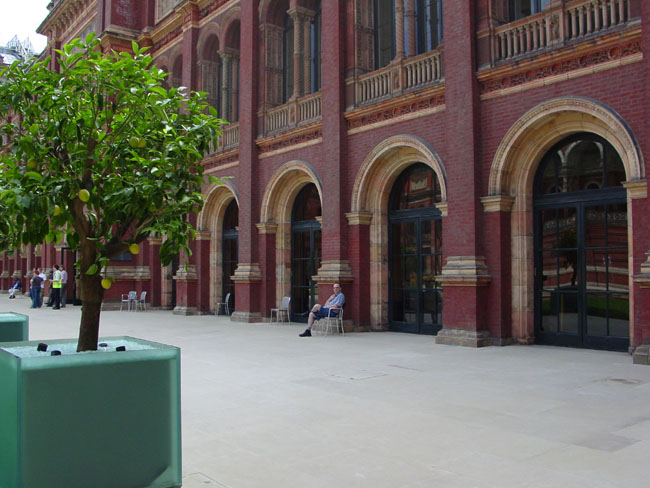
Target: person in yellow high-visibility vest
56	287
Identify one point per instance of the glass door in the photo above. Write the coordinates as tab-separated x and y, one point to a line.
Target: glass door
415	303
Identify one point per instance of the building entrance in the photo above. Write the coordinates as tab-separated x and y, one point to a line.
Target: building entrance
415	253
581	257
230	247
305	251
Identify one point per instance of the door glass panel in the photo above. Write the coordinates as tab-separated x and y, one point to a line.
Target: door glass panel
617	225
550	269
548	221
619	314
428	268
595	226
596	314
549	312
397	296
410	306
567	310
429	307
617	270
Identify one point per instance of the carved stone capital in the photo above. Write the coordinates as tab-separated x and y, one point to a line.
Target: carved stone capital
644	276
636	189
247	273
203	235
465	271
155	241
267	227
497	203
189	274
331	272
359	218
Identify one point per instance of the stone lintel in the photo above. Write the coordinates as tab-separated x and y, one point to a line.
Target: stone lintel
334	271
644	276
189	274
179	310
138	273
359	218
636	188
463	337
203	235
465	271
497	203
247	273
641	354
267	227
246	317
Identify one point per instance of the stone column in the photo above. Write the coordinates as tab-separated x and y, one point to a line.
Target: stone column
309	17
335	264
411	26
186	285
235	88
202	259
399	29
465	275
248	276
226	87
298	18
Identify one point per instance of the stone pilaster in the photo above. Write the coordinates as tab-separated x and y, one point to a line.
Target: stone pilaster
186	280
226	84
399	29
247	278
298	18
410	23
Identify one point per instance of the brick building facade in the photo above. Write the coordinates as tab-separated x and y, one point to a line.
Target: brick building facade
472	169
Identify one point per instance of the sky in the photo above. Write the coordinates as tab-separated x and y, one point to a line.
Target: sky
22	18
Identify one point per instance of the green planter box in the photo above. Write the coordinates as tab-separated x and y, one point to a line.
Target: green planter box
13	327
100	419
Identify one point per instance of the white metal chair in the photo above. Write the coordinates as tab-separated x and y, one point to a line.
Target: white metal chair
334	319
130	299
141	302
283	309
224	304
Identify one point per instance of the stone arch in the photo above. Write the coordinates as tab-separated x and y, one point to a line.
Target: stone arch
513	171
209	41
370	195
209	222
277	205
231	24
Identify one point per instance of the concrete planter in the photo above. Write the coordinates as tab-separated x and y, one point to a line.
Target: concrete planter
100	419
13	327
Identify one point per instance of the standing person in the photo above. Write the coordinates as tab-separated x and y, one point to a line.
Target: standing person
35	289
56	288
43	277
64	284
336	300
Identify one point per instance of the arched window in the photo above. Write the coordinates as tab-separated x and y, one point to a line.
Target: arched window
287	59
429	25
523	8
384	32
315	43
580	162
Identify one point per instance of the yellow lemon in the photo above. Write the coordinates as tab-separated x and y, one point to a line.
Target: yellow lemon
84	195
57	210
134	141
106	283
142	142
32	164
134	248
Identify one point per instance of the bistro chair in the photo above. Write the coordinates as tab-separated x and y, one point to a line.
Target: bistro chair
283	309
225	305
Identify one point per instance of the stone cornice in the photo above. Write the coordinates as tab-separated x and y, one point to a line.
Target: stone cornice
137	273
227	159
605	49
62	15
407	106
290	140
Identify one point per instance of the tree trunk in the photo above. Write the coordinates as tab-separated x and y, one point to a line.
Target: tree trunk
92	295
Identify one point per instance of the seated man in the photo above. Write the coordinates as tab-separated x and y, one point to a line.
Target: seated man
17	286
317	312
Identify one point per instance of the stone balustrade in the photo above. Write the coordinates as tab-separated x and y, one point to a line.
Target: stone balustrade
567	22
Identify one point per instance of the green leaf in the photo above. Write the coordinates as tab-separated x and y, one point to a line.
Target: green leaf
92	270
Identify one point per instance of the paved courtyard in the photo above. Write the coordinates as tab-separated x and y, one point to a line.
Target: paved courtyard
263	407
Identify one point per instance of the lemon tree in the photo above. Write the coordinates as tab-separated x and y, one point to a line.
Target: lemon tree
101	154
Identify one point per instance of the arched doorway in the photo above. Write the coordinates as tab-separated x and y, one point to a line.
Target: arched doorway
581	248
305	249
230	236
415	252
